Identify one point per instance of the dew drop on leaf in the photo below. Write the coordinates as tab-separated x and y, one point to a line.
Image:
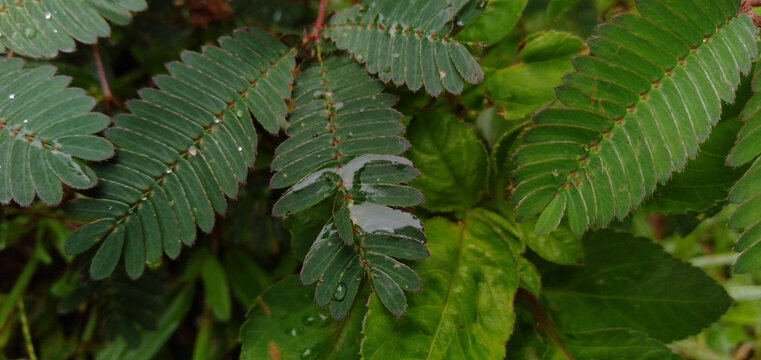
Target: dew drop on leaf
340	293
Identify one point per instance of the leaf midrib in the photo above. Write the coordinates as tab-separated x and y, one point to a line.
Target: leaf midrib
447	302
157	179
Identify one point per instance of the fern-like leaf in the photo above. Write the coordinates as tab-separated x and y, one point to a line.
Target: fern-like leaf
182	150
747	191
123	305
407	42
344	137
45	132
637	109
41	28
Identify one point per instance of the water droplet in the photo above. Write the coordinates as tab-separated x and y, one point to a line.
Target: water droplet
387	69
217	120
395	55
240	148
26	121
362	110
323	317
168	171
145	198
340	293
30	32
338	106
293	332
48	15
555	172
317	93
192	150
239	113
306	352
308	320
460	23
55	31
12	96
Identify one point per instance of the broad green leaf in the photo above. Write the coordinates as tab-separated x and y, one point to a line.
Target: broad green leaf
466	307
616	344
496	21
216	288
631	282
705	180
285	324
407	42
45	134
528	86
453	162
181	151
635	109
529	277
37	28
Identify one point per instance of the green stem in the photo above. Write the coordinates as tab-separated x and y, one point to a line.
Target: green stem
714	260
18	289
741	293
691	349
201	349
25	330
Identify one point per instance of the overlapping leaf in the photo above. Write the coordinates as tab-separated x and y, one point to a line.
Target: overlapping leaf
343	141
628	282
747	191
284	322
466	310
408	42
637	109
184	148
46	130
41	28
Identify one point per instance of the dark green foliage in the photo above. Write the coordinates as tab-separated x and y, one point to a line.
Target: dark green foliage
610	291
746	192
46	130
126	305
41	28
637	109
378	224
184	148
407	42
342	145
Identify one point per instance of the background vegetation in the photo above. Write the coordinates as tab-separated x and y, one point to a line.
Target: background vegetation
194	307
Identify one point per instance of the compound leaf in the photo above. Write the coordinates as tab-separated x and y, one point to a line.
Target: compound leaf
636	109
46	131
42	28
407	42
184	148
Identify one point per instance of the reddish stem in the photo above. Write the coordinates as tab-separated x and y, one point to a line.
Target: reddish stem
319	24
108	97
542	320
747	8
